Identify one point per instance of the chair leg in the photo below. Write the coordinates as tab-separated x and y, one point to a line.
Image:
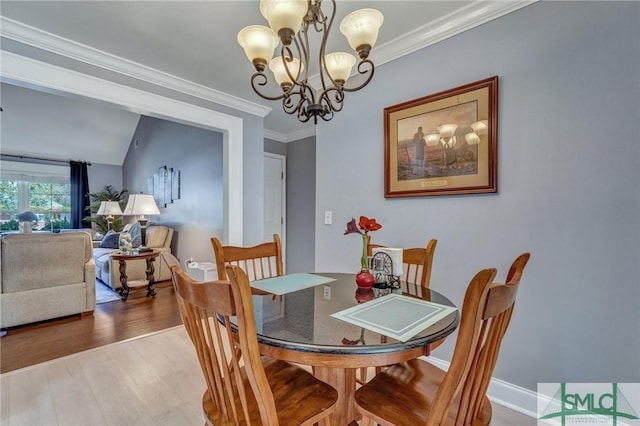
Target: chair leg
366	421
363	375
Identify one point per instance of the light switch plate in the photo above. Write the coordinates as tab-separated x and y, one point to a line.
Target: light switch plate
328	217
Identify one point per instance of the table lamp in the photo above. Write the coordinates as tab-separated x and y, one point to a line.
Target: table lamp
109	209
141	205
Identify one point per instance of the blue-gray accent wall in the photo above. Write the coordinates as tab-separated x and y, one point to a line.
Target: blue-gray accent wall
197	154
569	103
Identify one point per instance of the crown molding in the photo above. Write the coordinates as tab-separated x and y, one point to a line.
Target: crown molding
463	19
28	72
46	41
290	137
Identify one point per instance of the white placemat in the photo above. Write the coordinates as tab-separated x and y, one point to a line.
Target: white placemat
396	316
290	283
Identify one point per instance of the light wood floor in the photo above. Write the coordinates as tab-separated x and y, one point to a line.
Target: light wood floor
150	380
111	322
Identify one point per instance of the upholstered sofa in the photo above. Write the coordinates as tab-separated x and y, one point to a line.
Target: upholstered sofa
107	270
45	276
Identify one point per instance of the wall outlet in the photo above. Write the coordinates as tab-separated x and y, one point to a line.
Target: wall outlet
326	292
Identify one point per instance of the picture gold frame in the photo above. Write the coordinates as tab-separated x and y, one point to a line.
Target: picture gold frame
443	144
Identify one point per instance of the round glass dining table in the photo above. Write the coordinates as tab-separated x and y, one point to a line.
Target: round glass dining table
298	327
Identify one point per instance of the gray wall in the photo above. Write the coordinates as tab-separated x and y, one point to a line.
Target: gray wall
197	153
275	147
301	204
569	104
252	128
101	175
301	183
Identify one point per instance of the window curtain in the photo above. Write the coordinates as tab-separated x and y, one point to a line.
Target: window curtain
79	195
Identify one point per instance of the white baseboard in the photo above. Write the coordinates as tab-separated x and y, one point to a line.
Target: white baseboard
516	398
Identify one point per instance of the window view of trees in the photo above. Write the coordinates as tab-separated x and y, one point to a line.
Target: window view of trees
51	202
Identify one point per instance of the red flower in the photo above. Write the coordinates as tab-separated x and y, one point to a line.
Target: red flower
368	225
352	228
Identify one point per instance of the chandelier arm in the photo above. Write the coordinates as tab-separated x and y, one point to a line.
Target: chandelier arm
328	116
362	71
290	106
254	82
335	104
302	45
325	29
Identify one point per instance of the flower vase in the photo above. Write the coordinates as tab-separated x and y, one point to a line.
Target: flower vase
125	243
25	227
364	279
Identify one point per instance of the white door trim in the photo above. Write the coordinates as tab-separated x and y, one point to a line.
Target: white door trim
283	207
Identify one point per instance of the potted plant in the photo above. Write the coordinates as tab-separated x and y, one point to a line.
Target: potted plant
108	193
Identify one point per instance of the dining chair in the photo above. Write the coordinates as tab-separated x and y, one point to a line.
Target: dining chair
426	395
260	261
243	387
416	272
416	263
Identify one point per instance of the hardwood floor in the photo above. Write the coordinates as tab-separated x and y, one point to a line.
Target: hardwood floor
111	322
129	363
152	380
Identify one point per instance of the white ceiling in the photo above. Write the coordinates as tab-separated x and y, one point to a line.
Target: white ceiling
187	43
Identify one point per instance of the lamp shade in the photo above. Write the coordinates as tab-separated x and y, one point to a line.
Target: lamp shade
109	208
141	204
472	138
480	127
339	65
277	66
447	130
433	138
258	42
361	27
284	13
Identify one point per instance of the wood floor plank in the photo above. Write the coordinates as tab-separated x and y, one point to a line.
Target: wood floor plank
99	379
73	398
152	381
111	322
30	400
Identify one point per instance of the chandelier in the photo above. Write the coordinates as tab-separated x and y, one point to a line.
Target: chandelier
291	21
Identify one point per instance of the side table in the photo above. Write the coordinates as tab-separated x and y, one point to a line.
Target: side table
122	258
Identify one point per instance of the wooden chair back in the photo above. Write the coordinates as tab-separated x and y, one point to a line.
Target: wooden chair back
486	313
417	263
238	391
430	396
228	400
260	261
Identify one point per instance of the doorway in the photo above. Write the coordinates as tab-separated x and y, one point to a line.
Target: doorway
275	190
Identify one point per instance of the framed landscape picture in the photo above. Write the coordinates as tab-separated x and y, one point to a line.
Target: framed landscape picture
443	144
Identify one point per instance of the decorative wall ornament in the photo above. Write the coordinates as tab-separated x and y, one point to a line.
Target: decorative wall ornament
165	186
443	144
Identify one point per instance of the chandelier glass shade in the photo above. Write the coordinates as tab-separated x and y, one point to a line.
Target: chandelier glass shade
290	24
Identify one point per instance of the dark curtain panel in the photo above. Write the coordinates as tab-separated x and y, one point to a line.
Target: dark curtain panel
79	195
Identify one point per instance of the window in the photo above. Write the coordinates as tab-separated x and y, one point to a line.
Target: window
42	189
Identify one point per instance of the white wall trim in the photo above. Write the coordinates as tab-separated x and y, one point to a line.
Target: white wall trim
290	137
463	19
503	393
31	73
49	42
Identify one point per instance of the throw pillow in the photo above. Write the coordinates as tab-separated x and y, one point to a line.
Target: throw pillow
136	234
110	240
